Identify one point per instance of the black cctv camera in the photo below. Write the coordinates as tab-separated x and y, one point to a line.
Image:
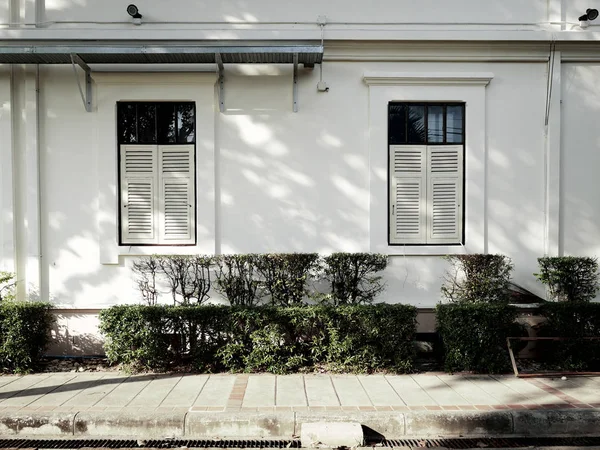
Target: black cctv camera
590	14
133	11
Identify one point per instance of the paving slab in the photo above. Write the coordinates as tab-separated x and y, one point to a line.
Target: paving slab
260	391
411	393
185	393
155	392
380	391
473	394
125	392
68	390
350	391
20	385
40	389
89	396
290	391
583	389
440	391
521	391
215	391
320	391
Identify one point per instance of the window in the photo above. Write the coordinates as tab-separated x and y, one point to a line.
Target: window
157	176
426	166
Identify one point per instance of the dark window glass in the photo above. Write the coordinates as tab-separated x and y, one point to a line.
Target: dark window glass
156	123
416	124
127	128
186	123
166	123
397	124
435	124
454	124
146	123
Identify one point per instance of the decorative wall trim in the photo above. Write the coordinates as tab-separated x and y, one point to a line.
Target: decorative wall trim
427	78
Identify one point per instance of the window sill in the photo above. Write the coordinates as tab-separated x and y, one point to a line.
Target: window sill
425	250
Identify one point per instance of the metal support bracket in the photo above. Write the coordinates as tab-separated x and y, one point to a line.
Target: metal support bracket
87	98
295	85
221	68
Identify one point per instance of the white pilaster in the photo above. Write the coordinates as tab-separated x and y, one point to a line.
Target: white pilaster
7	212
554	244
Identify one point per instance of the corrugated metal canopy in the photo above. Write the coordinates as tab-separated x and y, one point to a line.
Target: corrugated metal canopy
52	52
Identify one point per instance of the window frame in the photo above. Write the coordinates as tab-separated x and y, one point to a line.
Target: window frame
426	144
157	144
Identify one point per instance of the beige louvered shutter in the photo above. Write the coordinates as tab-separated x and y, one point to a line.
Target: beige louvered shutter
138	194
445	194
408	194
177	194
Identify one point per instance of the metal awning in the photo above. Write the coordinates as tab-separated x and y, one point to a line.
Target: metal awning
91	53
85	53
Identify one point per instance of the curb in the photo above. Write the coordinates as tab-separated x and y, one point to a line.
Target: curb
215	425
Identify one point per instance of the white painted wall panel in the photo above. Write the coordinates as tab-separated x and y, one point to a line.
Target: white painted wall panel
378	11
580	159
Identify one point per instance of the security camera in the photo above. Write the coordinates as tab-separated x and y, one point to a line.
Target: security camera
134	12
590	14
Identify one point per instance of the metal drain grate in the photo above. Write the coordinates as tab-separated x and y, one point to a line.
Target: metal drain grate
459	443
168	443
508	442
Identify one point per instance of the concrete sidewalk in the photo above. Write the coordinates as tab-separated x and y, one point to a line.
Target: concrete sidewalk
215	406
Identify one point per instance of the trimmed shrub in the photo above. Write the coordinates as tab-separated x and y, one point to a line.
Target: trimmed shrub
478	278
353	278
24	334
285	276
261	339
569	278
235	279
574	321
474	336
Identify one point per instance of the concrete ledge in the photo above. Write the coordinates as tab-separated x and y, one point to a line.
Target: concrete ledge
331	435
384	423
37	424
458	423
239	425
152	425
580	422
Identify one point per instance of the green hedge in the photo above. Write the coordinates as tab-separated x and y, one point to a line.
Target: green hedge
474	336
24	334
362	338
574	321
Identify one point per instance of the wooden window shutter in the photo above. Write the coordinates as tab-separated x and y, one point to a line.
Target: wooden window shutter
138	194
444	194
177	194
408	194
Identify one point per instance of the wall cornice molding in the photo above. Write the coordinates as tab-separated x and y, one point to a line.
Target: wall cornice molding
427	78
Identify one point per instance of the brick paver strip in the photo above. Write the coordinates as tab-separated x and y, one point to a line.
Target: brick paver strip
551	390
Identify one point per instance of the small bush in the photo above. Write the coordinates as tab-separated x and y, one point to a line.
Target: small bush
7	286
188	277
146	272
285	276
569	278
478	278
263	338
236	279
353	278
574	321
474	336
24	334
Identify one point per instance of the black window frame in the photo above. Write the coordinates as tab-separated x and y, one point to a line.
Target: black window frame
406	104
121	141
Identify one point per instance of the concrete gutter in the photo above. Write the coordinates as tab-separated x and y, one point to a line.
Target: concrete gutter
239	425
